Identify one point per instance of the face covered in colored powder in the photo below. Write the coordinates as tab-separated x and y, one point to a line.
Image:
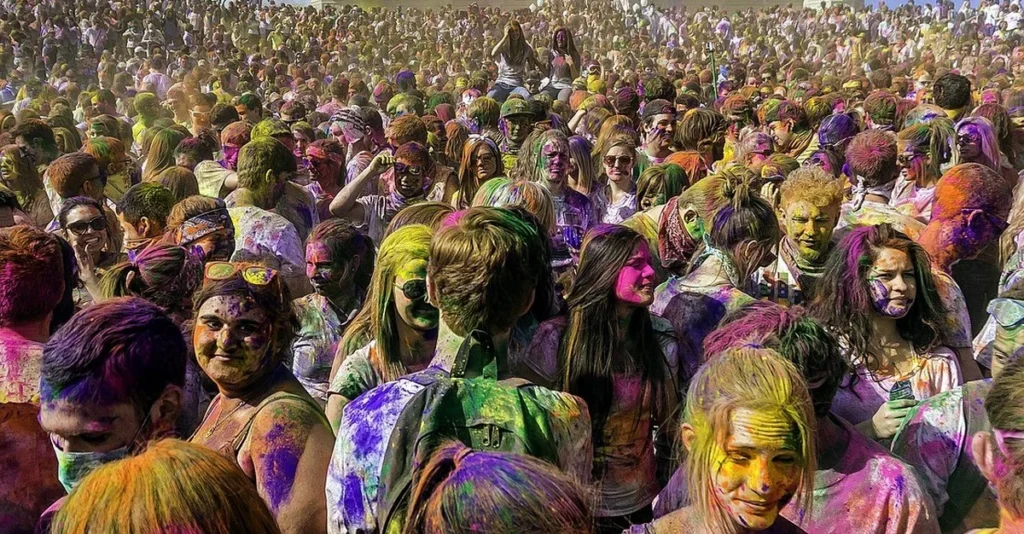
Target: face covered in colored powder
758	469
409	176
232	340
554	160
911	162
1008	345
328	277
410	296
968	140
892	285
661	130
635	284
516	127
654	196
809	227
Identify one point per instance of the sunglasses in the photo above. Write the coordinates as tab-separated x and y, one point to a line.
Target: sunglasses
618	161
905	159
97	224
253	274
401	168
1008	313
414	289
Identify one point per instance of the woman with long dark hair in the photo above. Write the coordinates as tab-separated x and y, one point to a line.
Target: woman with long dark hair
610	352
480	161
563	65
883	305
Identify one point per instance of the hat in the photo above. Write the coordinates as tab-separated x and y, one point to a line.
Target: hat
658	107
515	106
292	112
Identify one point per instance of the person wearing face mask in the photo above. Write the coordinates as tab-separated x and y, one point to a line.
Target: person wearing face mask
889	317
142	213
395	331
481	161
202	225
936	439
105	390
264	165
515	124
739	239
410	166
809	207
339	261
746	408
619	361
262	418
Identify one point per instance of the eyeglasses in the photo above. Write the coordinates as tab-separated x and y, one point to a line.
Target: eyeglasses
618	161
401	168
253	274
905	159
96	224
1008	313
414	289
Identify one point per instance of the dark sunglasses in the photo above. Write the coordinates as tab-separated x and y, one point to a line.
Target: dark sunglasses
97	224
401	168
616	161
414	289
905	159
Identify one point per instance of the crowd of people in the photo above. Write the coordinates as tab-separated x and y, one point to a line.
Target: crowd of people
587	267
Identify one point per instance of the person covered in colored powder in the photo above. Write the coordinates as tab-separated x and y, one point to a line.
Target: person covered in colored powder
262	419
469	259
809	209
883	305
395	330
610	353
749	434
858	485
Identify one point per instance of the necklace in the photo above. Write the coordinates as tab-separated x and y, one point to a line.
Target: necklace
221	418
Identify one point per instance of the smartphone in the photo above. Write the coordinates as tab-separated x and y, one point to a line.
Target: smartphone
901	391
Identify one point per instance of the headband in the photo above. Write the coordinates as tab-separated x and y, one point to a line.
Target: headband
203	225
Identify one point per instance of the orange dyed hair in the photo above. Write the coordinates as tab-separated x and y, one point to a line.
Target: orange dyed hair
172	486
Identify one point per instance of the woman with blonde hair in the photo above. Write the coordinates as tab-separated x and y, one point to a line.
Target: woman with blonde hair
395	331
582	173
749	434
19	175
199	491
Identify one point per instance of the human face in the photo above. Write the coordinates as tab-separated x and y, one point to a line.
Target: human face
409	178
758	468
655	196
892	285
968	140
90	427
7	168
484	163
416	313
301	143
517	127
809	227
780	131
34	151
232	339
81	229
328	278
635	284
554	160
560	39
618	163
663	129
911	163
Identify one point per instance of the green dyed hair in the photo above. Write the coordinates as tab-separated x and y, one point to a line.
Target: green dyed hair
259	156
485	111
936	138
670	177
270	128
378	320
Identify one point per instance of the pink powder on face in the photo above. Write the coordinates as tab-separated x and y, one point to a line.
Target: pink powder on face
636	281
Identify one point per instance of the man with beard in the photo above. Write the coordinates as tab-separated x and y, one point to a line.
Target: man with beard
515	124
810	208
411	164
339	262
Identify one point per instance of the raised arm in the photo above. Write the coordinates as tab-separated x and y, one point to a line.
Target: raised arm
344	204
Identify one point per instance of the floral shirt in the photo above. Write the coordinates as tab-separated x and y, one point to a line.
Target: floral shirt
609	212
320	331
353	478
21	365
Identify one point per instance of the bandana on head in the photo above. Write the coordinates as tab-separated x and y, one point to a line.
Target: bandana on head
203	225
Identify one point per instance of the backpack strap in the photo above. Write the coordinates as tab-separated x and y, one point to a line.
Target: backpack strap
236	444
483	344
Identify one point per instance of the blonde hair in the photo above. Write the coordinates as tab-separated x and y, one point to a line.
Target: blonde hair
811	184
755	379
172	486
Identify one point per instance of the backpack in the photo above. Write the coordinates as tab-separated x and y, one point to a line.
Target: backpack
483	413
